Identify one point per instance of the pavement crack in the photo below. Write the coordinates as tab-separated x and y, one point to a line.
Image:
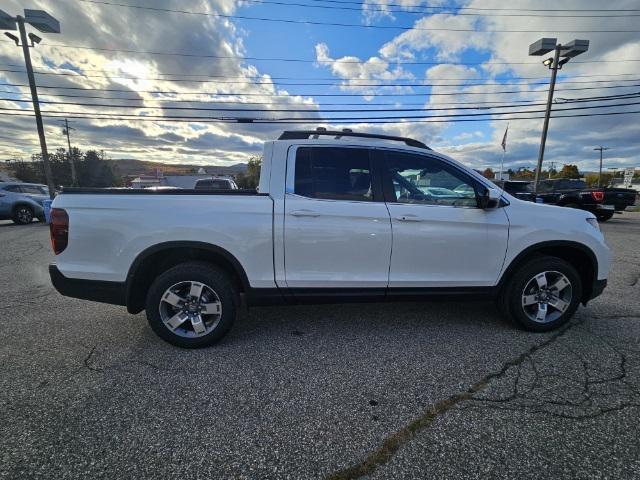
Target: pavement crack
396	440
87	360
589	390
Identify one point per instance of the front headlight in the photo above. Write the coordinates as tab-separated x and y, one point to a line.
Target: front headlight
594	223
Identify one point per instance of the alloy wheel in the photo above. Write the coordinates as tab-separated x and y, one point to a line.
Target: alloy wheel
190	309
24	215
547	296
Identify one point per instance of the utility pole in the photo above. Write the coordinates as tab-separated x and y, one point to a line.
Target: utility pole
553	167
74	179
601	149
36	105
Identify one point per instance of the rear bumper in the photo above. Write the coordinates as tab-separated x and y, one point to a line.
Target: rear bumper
94	290
604	208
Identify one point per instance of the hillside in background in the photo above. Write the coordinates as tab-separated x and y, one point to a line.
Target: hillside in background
128	167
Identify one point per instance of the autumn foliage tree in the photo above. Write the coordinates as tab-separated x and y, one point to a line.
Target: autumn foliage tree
569	171
251	177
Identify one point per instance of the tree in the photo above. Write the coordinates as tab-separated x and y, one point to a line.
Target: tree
93	169
569	171
488	173
251	177
592	179
523	174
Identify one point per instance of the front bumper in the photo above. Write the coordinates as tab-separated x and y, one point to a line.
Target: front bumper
94	290
596	290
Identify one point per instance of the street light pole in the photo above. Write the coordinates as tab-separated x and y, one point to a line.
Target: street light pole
567	51
36	105
547	115
600	148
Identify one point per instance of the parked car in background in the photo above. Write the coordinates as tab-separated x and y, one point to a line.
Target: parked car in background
334	219
521	189
22	202
572	193
161	188
216	183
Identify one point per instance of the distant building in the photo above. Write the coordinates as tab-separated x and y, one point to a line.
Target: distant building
618	182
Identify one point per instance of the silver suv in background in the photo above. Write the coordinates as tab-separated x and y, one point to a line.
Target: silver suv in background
216	183
22	202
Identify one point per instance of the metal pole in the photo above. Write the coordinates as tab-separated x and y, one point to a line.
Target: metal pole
545	126
600	169
36	105
74	180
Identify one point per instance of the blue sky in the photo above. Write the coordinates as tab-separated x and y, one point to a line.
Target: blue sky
338	54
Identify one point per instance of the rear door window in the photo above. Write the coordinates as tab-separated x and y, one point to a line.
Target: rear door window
334	173
31	190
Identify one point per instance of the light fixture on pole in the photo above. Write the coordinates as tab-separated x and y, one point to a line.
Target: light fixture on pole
568	51
601	149
45	23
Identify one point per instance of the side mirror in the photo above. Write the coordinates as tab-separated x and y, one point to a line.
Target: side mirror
488	198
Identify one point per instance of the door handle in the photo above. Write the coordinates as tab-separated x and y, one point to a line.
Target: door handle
409	217
304	213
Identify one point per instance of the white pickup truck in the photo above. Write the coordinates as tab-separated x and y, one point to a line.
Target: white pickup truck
338	216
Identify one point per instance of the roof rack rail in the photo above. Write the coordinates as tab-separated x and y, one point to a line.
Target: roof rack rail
305	134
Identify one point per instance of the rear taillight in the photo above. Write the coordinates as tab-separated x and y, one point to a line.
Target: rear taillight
597	196
59	227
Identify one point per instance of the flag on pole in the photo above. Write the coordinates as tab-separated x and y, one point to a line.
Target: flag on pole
504	139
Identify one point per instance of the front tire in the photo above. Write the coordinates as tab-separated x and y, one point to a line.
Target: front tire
192	305
542	295
22	215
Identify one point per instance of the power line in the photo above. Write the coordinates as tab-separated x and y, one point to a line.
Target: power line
510	9
302	60
344	25
319	120
322	110
268	94
248	76
352	119
506	82
379	85
244	102
445	10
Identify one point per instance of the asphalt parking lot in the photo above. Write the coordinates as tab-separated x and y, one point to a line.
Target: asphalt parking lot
381	391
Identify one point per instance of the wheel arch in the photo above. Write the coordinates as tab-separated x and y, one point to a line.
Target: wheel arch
22	203
159	258
580	256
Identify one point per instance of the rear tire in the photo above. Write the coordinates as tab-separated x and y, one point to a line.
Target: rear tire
192	305
542	295
22	215
603	217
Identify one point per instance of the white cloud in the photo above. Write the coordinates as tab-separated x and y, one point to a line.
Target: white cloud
118	28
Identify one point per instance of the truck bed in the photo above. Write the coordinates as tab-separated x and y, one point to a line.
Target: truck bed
110	228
